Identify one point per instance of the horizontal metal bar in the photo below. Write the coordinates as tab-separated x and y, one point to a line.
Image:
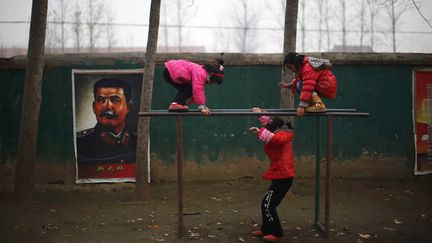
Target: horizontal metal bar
269	110
250	113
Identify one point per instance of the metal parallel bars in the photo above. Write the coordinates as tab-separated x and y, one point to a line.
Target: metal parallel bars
329	158
180	174
267	110
250	113
270	112
317	170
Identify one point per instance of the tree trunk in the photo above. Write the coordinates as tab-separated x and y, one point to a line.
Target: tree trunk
245	27
91	26
62	14
77	26
372	31
180	26
142	190
362	13
393	26
372	11
165	27
303	25
290	34
320	9
343	25
27	143
327	25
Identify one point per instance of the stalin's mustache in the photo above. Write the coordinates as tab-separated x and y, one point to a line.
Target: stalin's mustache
108	113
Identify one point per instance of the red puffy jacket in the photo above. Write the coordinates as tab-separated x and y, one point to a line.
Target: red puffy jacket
321	81
279	149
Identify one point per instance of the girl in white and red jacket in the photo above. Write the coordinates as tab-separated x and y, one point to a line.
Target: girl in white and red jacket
189	79
277	137
313	80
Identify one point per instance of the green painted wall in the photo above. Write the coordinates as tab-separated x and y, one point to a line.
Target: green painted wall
383	90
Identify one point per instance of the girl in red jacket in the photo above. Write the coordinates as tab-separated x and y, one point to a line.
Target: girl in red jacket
277	137
313	79
189	79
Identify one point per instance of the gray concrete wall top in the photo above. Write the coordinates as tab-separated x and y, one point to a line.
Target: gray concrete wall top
137	58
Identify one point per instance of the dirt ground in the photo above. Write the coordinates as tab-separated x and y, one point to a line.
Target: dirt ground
363	210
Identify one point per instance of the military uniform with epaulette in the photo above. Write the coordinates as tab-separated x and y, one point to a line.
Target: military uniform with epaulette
101	144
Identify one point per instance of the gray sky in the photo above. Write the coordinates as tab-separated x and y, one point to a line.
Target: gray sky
224	12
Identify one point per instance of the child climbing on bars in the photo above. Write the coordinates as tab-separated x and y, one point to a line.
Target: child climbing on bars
313	79
277	137
190	79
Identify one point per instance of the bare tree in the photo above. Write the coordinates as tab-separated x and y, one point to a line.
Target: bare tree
395	10
245	15
56	36
32	98
110	31
343	23
290	34
327	23
77	26
95	11
362	21
52	37
245	27
165	23
179	25
142	190
95	22
320	6
417	7
63	11
277	10
289	24
62	14
303	23
393	24
373	8
184	11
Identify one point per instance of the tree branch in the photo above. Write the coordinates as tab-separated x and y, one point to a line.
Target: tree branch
421	14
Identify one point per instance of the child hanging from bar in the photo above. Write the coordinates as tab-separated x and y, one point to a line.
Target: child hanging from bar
313	79
277	137
190	79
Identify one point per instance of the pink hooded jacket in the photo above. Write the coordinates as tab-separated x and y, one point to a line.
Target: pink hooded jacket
187	72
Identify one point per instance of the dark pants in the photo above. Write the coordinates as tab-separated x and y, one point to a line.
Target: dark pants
184	90
277	191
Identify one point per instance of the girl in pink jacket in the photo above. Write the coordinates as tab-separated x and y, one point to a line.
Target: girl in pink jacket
190	79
